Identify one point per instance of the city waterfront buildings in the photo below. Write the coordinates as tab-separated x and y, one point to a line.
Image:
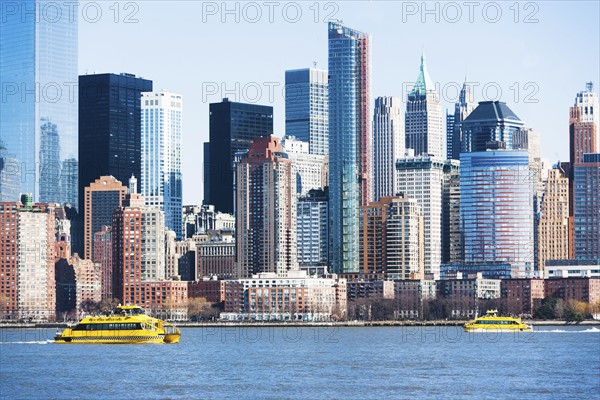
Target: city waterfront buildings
161	177
388	145
522	296
109	127
38	117
293	296
266	234
423	117
307	108
233	126
349	141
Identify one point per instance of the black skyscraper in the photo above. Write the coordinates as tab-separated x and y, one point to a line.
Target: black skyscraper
109	127
232	128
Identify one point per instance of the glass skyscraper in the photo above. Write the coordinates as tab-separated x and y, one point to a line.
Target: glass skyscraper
307	108
349	141
110	127
496	208
38	117
233	126
161	156
587	207
491	122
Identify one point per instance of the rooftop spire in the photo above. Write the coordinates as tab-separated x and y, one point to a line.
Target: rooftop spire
424	82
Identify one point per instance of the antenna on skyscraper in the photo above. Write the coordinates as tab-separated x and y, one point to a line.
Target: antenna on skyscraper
314	64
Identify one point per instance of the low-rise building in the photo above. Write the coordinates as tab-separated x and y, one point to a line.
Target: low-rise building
521	296
293	296
410	294
464	292
572	269
579	289
213	290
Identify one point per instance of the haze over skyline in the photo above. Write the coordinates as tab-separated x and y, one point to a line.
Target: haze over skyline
200	51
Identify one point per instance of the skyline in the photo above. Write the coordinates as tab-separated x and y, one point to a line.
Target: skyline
556	52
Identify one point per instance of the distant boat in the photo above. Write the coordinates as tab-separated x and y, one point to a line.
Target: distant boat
126	324
492	322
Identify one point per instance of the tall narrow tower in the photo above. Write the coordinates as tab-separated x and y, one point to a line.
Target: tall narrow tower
584	137
161	156
424	132
462	109
349	140
388	145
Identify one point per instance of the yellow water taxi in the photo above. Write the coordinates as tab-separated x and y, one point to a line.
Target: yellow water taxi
492	322
126	324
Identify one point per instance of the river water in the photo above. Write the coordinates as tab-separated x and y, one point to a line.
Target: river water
309	363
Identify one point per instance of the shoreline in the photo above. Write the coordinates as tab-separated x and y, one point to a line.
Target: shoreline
359	324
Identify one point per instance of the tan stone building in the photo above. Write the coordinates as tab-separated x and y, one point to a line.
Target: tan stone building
391	238
553	224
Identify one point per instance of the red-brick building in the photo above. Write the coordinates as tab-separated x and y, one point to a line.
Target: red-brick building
522	296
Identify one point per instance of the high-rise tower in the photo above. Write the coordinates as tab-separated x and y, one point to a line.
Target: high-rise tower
423	126
349	141
38	116
161	180
109	127
462	109
307	108
388	145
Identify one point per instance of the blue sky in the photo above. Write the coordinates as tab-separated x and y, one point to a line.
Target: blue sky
534	55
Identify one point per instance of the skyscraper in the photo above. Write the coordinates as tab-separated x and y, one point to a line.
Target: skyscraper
110	127
10	176
38	117
553	224
101	198
388	145
161	180
587	207
424	130
307	108
462	108
584	137
496	208
349	141
490	122
266	234
233	126
422	178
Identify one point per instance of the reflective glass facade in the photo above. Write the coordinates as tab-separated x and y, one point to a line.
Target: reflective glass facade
38	117
307	108
497	189
349	141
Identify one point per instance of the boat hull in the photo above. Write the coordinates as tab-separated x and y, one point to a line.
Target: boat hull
109	339
494	330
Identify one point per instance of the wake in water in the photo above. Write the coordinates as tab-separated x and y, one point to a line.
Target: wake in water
589	330
47	341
